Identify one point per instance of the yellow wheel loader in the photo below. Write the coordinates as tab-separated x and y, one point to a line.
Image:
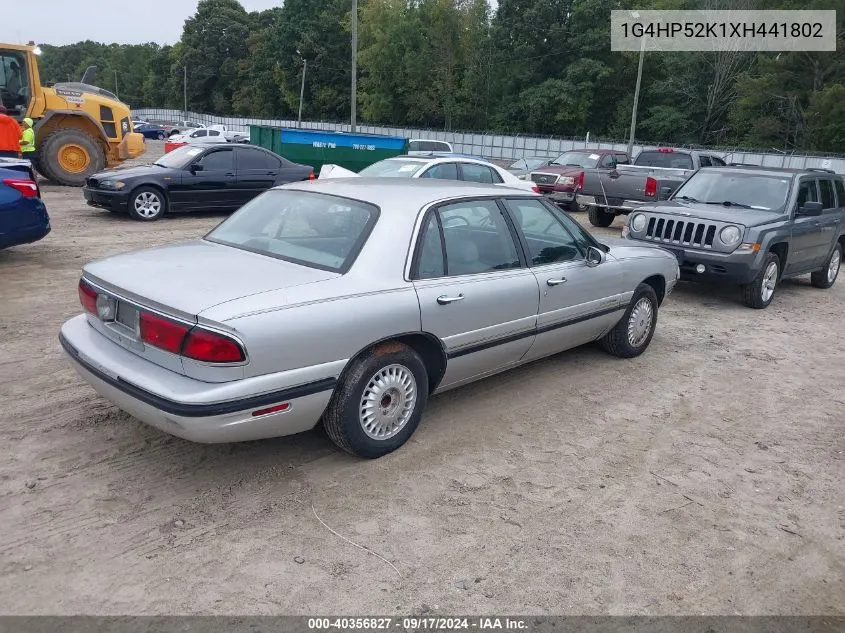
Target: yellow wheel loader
79	128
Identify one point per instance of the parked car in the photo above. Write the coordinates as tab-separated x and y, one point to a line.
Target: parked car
561	178
137	122
192	178
23	216
751	226
202	135
180	127
654	175
523	167
441	168
151	130
425	146
352	301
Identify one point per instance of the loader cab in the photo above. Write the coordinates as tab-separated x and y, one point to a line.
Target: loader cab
15	85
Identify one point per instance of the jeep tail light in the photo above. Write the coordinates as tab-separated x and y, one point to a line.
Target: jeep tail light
650	187
161	332
187	340
211	347
87	297
26	187
579	181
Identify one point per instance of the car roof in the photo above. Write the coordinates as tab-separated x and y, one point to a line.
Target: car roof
770	171
450	158
403	193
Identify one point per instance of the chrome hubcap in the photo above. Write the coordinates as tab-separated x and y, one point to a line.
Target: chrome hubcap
147	204
770	280
388	402
640	322
833	267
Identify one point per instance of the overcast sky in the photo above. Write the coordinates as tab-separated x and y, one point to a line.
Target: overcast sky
68	21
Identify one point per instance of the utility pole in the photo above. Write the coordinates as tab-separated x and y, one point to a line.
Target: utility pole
302	91
185	92
636	98
354	62
115	85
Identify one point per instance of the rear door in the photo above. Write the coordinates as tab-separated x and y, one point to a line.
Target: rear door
475	293
830	218
256	171
577	303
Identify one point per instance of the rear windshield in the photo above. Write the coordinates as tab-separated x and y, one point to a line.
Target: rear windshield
312	229
587	160
428	146
674	160
393	169
767	193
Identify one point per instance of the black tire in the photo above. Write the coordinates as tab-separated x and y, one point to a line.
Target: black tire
343	417
600	217
153	198
624	344
161	136
173	133
51	166
825	277
752	293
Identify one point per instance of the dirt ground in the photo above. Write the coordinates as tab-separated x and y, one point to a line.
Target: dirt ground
705	477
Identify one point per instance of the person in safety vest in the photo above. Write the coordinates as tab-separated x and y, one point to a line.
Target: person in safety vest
27	138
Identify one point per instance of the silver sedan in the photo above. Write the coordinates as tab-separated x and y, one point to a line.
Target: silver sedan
351	302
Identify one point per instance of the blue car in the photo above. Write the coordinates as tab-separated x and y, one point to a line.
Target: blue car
23	216
152	130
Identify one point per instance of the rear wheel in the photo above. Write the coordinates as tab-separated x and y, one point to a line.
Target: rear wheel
600	217
632	335
379	402
147	204
826	277
69	156
161	136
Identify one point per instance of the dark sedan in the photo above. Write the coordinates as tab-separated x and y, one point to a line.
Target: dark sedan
192	178
23	216
151	130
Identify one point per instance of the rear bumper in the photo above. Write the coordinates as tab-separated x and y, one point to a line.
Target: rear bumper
117	200
624	206
147	391
24	223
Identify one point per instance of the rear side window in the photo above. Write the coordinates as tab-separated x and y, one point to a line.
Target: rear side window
840	192
672	160
306	228
479	173
717	162
826	188
199	133
443	171
253	159
705	161
431	262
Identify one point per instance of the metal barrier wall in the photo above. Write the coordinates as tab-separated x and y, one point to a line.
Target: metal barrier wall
492	146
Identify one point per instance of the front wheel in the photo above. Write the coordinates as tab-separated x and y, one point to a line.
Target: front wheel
826	277
379	402
759	293
147	204
632	335
599	217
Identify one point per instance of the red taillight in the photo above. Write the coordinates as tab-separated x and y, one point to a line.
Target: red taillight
579	180
665	150
650	187
161	332
87	297
311	176
211	347
535	189
27	188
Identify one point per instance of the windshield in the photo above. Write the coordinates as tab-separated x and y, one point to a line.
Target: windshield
393	169
312	229
179	157
577	159
672	160
767	193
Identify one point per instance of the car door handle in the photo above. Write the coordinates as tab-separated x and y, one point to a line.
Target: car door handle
444	300
555	282
231	173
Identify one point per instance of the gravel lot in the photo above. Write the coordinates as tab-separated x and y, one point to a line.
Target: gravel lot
707	476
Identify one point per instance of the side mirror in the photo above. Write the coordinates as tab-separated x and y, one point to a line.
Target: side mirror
810	209
196	167
595	256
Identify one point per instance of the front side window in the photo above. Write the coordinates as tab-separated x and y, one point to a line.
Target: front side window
547	240
705	161
826	188
476	239
306	228
607	160
443	171
717	162
622	159
586	160
807	192
223	160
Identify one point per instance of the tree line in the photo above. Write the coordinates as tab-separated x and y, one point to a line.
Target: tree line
539	67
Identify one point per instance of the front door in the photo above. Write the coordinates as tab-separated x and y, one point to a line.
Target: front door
475	293
807	236
212	187
578	303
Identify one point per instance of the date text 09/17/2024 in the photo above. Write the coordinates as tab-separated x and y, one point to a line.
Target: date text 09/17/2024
418	624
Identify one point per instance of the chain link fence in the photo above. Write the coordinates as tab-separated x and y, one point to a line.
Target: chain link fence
497	147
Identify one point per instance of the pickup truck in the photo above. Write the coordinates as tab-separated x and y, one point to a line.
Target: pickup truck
653	176
560	179
751	226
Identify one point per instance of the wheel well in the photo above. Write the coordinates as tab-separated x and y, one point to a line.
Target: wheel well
72	122
842	241
426	345
659	284
781	249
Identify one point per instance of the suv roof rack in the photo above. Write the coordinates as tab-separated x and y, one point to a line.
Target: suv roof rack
827	171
